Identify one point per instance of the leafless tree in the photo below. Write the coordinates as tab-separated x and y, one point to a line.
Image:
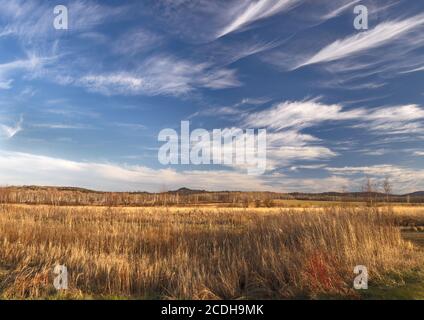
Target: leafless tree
387	187
369	189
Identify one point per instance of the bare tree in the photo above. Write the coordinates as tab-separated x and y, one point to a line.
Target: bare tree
387	187
368	189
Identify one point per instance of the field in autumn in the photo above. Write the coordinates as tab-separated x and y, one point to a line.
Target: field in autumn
210	252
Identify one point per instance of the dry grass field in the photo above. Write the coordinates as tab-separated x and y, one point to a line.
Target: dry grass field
205	253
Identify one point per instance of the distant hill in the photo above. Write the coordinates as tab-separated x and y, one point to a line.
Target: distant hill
47	188
187	191
416	194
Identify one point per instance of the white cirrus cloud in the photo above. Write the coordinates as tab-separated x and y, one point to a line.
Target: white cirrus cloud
10	131
414	70
255	10
300	115
339	10
162	75
31	20
405	119
7	70
135	41
381	35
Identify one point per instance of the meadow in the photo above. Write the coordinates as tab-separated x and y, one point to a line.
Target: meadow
207	252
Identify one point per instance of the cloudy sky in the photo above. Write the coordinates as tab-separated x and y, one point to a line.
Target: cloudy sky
84	106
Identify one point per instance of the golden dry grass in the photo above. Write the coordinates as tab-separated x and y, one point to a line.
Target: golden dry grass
198	253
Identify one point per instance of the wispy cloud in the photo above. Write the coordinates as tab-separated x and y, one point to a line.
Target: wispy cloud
32	20
10	131
308	167
162	74
414	70
303	114
404	179
135	41
395	120
186	19
285	122
255	10
287	143
300	115
339	10
381	35
225	52
6	84
9	69
60	126
240	108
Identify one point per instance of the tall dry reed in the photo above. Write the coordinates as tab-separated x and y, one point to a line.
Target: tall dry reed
196	253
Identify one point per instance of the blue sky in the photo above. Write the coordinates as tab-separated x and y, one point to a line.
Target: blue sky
84	106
